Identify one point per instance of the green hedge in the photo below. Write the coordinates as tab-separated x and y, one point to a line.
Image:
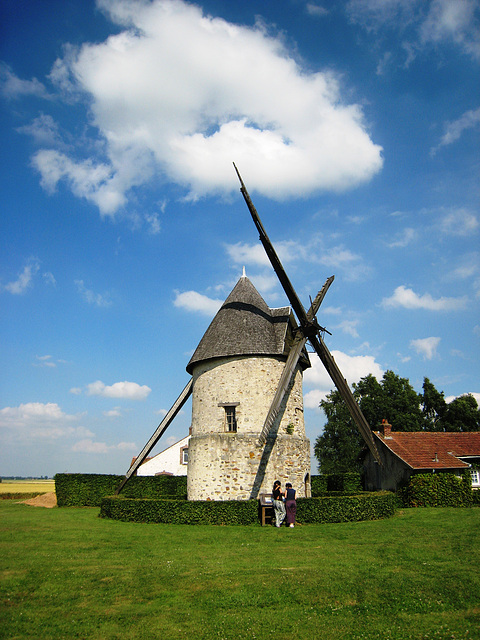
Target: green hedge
174	511
87	490
438	490
368	506
345	482
363	506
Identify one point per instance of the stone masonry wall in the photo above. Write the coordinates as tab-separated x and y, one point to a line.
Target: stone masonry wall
230	466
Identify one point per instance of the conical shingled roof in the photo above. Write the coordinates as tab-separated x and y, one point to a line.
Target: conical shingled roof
245	325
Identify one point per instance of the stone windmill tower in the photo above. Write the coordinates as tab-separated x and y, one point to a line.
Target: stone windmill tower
235	370
247	409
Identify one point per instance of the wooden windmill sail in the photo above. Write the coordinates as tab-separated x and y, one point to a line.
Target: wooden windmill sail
310	330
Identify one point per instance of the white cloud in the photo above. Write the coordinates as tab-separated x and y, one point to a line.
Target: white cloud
44	361
92	447
90	179
383	63
39	421
454	130
465	270
476	286
125	390
332	311
113	413
36	411
49	278
194	301
76	391
408	299
449	399
459	222
13	87
426	347
468	267
24	279
126	446
98	299
153	223
44	130
403	239
421	24
265	283
89	446
349	327
247	254
453	21
311	399
339	257
356	219
315	251
184	94
316	10
353	369
374	14
437	22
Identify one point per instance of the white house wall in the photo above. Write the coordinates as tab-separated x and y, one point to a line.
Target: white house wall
167	461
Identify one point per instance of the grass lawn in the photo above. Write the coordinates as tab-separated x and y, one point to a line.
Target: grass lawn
65	573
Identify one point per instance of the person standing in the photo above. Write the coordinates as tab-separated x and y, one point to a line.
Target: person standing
278	505
290	504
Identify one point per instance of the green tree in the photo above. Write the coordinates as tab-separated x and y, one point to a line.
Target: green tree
462	414
338	448
393	399
433	406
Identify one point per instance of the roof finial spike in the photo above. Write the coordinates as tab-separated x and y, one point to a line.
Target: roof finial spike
244	275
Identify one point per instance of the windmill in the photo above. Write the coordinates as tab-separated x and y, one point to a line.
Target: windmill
309	330
293	348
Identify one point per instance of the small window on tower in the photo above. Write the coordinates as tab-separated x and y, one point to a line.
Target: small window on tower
231	419
230	416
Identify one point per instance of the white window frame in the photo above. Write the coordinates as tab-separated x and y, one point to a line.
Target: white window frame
475	477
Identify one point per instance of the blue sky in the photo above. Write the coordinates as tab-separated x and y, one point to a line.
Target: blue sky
355	126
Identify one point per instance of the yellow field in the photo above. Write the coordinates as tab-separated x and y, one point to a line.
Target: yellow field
27	486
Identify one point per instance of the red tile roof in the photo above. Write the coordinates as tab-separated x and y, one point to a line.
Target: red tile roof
427	450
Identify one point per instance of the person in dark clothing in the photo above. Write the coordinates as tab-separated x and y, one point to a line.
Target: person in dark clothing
290	504
278	505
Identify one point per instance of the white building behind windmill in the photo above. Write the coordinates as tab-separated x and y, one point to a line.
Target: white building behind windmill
171	461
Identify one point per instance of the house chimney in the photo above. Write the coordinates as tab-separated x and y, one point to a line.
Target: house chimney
385	429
